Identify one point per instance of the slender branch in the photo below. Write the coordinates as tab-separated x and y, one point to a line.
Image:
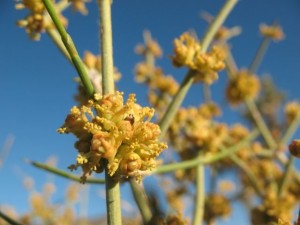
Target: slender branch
189	78
112	185
200	196
291	130
224	152
64	174
106	46
288	170
289	165
261	124
251	176
69	44
8	219
259	55
141	201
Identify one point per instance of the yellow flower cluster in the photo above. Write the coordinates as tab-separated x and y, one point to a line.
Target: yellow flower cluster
216	205
242	86
273	32
120	133
151	47
35	23
79	6
272	209
187	52
291	110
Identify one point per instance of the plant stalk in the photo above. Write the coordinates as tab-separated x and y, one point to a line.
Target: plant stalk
113	202
69	44
200	195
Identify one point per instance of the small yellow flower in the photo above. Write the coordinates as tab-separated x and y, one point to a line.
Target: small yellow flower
187	52
273	32
244	85
79	5
121	133
185	49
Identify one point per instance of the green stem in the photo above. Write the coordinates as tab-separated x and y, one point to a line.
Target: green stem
261	124
259	55
189	78
289	165
288	170
113	202
106	46
8	219
251	176
206	159
141	200
64	174
200	195
69	44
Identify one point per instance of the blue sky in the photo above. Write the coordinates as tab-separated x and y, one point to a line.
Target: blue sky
37	88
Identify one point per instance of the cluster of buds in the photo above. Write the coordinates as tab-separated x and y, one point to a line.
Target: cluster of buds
122	134
188	53
273	32
242	86
35	23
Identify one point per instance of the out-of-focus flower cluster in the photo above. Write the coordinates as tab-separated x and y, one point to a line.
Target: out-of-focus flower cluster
79	6
273	32
161	87
37	21
242	86
188	53
42	210
211	212
94	67
121	133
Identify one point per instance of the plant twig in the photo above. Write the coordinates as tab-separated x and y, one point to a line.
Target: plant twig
189	78
112	185
106	46
141	200
200	195
289	165
64	174
259	55
252	178
8	219
261	125
69	44
224	152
